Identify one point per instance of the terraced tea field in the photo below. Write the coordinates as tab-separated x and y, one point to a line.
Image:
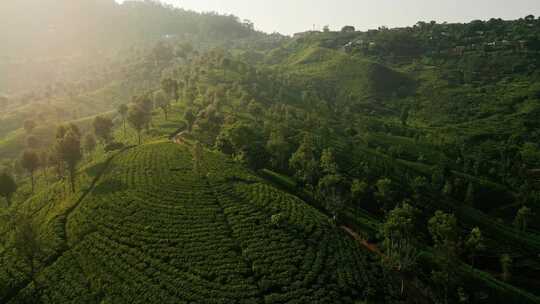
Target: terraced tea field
153	231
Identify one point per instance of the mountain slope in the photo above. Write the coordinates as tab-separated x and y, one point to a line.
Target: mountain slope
153	231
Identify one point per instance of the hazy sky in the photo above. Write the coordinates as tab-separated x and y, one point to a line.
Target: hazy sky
290	16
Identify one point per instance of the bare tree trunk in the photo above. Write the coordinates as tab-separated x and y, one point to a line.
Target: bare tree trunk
72	179
32	179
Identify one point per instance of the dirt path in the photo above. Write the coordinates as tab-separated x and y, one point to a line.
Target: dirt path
371	247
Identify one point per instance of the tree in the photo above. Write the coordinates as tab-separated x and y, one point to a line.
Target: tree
197	155
170	87
399	242
506	266
303	161
7	186
474	243
44	162
326	28
62	130
359	190
385	193
329	189
29	125
444	232
523	217
404	116
162	101
89	142
348	29
138	119
331	184
328	162
27	243
30	162
279	149
32	142
103	128
189	117
469	196
123	111
69	151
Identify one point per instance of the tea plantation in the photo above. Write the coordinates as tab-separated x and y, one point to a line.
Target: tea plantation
152	231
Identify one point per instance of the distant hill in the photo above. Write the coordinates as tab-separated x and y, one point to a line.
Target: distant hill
49	42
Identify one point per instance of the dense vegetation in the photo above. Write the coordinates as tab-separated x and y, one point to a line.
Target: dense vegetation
215	164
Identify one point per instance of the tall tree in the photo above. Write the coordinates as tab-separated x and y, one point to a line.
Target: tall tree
30	162
385	193
303	161
190	118
170	87
62	130
474	243
523	217
69	151
138	119
27	243
103	128
444	231
197	155
89	143
404	117
506	266
279	149
7	186
29	125
162	101
470	195
399	239
44	162
123	111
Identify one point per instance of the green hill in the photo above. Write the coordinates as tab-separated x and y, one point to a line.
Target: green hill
151	230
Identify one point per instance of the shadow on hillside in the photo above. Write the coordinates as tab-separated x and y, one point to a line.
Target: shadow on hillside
110	186
95	170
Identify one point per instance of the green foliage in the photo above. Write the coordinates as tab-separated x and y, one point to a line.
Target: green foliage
163	218
474	243
139	119
359	189
103	127
303	161
506	266
444	232
523	218
30	161
385	193
163	102
189	117
69	151
7	186
279	149
89	143
399	240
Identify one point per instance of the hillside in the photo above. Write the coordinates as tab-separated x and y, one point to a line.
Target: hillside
199	161
150	224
